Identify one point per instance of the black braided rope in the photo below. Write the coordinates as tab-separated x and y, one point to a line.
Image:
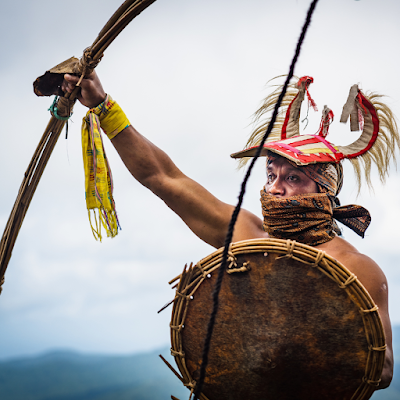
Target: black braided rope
235	213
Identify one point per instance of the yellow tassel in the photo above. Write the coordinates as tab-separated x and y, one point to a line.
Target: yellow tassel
96	231
98	177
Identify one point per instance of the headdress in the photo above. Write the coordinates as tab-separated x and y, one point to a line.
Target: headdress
376	144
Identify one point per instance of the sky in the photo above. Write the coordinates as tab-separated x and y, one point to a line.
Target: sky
189	75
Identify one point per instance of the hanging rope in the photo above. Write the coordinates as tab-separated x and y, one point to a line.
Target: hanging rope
61	110
235	214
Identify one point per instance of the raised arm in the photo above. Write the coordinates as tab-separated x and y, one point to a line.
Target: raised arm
204	214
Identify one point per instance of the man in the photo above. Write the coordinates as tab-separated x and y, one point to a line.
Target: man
209	217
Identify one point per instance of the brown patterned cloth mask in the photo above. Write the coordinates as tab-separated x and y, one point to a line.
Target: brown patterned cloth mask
309	218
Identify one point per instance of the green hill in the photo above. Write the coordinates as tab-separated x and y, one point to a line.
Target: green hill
74	376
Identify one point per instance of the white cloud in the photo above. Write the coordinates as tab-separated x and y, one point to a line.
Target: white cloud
189	74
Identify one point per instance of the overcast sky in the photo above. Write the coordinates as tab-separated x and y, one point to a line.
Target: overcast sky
189	74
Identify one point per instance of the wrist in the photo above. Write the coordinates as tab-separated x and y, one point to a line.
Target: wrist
95	103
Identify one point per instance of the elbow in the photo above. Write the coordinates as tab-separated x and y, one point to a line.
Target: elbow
387	374
386	379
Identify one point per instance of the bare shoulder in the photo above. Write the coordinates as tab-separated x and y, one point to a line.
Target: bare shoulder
349	256
366	269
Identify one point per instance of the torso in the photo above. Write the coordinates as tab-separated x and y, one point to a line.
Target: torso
367	271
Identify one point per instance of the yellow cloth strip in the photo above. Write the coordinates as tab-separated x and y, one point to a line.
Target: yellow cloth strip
98	177
112	119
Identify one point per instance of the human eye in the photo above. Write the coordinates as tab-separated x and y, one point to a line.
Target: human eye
293	178
270	177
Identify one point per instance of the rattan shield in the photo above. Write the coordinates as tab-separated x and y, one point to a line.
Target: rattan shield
293	323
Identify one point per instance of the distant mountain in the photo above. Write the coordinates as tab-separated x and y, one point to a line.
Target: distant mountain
74	376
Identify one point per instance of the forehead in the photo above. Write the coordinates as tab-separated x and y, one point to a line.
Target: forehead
281	163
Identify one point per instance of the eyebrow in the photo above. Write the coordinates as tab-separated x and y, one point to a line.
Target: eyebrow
289	169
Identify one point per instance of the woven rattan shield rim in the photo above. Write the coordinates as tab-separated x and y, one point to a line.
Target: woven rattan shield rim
192	277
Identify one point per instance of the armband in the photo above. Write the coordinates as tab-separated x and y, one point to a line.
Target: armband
112	119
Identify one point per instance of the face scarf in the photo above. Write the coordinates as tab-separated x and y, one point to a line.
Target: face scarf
308	218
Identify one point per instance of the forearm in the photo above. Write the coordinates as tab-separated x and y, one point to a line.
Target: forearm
204	214
145	161
382	301
387	373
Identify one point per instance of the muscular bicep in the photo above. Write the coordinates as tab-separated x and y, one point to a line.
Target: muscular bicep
207	216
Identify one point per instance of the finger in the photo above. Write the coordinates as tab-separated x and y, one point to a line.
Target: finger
64	85
68	84
67	87
71	78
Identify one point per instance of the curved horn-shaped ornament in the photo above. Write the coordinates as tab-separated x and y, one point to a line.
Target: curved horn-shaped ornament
326	120
350	109
360	104
290	126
